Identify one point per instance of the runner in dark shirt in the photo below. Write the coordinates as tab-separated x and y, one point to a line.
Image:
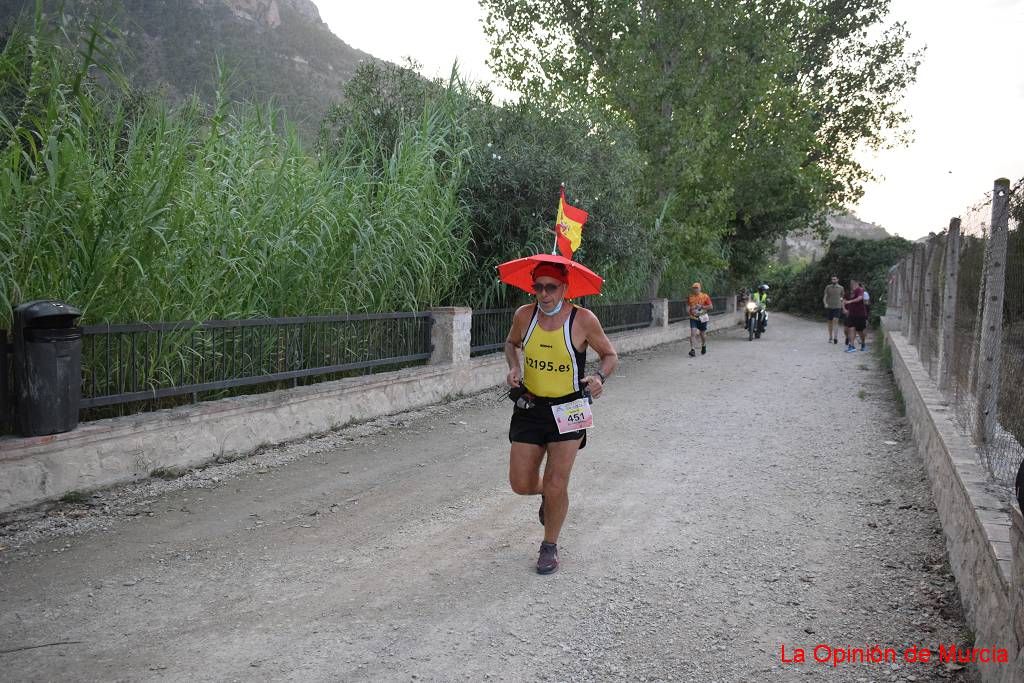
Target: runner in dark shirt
856	317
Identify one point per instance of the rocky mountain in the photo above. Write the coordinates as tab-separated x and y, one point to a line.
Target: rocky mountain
809	247
273	49
848	225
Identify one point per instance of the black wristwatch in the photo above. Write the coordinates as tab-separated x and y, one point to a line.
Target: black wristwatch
603	377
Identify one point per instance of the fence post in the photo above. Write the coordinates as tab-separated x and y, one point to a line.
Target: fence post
908	293
947	340
990	349
659	313
892	299
908	321
450	334
922	322
915	294
927	342
901	288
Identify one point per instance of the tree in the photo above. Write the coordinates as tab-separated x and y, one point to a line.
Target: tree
855	71
747	113
850	86
515	157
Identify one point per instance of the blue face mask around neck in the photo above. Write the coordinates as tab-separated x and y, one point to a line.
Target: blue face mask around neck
554	311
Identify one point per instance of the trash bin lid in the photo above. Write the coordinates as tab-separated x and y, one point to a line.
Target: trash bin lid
47	309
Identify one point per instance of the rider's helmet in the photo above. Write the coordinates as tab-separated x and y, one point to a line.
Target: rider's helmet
763	288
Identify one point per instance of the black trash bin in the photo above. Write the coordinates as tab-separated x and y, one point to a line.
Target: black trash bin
47	367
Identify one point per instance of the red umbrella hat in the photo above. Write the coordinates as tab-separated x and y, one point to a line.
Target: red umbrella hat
582	280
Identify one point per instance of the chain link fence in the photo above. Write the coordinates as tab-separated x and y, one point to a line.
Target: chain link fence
959	299
1010	403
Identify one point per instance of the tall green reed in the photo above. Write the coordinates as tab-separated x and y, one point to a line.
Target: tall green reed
133	210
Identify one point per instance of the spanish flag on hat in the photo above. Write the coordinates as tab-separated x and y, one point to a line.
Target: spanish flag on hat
569	227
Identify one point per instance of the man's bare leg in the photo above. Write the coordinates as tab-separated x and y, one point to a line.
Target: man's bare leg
561	456
524	468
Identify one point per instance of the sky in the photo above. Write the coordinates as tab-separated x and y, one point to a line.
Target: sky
966	108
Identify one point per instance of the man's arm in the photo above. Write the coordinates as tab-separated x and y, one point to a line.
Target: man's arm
710	304
512	345
599	341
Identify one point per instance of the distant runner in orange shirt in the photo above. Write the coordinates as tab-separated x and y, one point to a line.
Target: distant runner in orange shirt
699	305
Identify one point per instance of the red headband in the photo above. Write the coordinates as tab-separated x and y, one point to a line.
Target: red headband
552	271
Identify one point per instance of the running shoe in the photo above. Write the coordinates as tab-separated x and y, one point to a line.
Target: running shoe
693	354
540	512
548	560
850	349
863	347
835	341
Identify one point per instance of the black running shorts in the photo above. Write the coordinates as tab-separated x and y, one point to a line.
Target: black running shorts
537	425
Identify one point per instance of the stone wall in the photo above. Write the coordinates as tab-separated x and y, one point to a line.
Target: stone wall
985	544
1016	587
108	452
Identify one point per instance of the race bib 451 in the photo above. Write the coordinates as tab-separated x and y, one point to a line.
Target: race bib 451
573	416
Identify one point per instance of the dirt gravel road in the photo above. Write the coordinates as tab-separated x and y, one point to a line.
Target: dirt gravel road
761	496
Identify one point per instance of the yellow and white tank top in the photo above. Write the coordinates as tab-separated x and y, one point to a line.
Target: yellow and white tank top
552	366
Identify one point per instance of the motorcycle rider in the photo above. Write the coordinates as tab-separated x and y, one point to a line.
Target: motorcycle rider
756	310
760	297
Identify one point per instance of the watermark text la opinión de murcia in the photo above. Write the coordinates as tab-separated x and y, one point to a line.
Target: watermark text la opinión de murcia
842	655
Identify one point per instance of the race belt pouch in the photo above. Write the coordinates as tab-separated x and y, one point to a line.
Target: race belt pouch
521	397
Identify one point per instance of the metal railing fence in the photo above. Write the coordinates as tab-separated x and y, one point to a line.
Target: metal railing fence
147	366
622	317
151	361
678	310
489	327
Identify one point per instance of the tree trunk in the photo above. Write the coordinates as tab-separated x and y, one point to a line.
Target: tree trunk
654	283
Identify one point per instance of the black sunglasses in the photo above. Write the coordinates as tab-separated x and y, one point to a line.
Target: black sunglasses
549	288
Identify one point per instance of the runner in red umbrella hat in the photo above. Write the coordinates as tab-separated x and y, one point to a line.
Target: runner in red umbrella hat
580	280
546	352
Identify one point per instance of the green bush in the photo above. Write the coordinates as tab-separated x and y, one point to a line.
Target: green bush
517	156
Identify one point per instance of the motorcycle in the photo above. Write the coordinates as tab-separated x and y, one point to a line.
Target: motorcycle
755	320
